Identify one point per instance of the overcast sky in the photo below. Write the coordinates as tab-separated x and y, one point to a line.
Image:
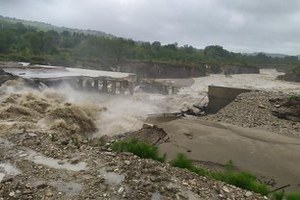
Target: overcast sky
237	25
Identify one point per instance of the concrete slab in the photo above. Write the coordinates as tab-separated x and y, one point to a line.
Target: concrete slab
59	72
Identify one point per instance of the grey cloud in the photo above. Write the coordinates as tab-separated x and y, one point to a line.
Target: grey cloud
247	26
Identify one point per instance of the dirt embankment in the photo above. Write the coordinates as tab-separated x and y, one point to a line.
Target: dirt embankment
257	109
164	70
290	77
236	69
5	76
161	70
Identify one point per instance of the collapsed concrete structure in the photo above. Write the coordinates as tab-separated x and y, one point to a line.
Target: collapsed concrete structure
156	86
92	80
220	96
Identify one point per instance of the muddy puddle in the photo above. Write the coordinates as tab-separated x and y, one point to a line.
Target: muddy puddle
8	169
5	143
156	196
111	178
68	188
38	158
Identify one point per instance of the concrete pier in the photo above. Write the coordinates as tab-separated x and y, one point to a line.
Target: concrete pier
96	84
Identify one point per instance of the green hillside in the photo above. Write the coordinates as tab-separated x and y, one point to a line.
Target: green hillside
39	42
47	27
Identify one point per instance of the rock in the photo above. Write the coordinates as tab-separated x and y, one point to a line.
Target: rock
75	160
262	106
61	162
65	142
182	196
145	126
185	183
41	185
32	134
171	188
26	192
110	153
127	162
153	179
121	190
12	193
225	189
188	135
48	193
193	182
248	194
2	175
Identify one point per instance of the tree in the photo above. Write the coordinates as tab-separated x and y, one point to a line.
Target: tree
156	45
215	51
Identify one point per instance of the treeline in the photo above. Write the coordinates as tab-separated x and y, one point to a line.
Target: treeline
25	43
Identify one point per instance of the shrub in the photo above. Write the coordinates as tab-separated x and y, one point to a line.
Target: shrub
182	161
296	69
278	195
138	148
295	97
243	180
293	196
101	141
229	165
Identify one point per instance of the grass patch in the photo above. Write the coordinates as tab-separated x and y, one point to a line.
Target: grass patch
278	195
295	97
138	148
282	196
293	196
243	180
183	162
